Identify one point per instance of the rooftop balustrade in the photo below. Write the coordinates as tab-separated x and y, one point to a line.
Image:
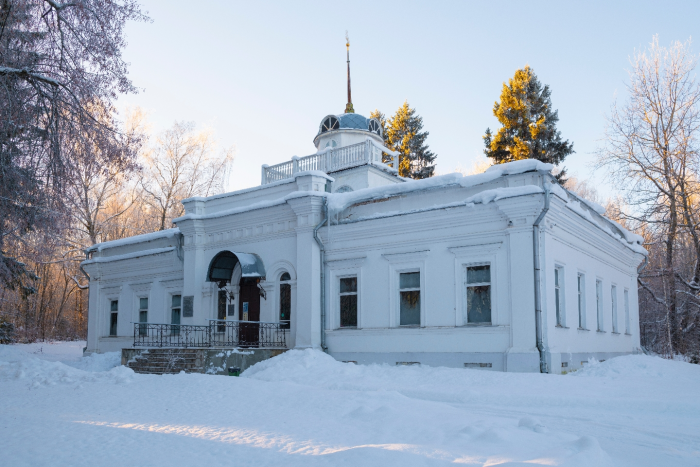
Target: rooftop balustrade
328	161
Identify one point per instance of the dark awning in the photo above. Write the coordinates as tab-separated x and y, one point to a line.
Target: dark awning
221	267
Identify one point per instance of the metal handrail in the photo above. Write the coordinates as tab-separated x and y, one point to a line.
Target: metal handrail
218	333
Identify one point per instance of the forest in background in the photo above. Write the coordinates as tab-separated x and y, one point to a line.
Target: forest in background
74	172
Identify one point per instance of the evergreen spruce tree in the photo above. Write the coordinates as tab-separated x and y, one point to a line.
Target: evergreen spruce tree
529	124
404	133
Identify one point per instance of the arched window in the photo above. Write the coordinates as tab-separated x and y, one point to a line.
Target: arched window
329	123
343	189
375	127
331	144
285	301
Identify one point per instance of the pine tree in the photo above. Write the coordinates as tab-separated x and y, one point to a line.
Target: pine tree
404	133
529	124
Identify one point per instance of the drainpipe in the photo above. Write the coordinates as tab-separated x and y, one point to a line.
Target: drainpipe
80	266
643	265
323	267
538	279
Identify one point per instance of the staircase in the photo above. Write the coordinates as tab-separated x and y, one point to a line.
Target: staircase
167	361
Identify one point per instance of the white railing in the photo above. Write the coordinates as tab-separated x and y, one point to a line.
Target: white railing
328	161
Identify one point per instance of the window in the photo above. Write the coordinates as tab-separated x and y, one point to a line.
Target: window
479	294
581	286
599	303
331	144
175	308
613	297
559	295
375	127
113	308
329	123
627	311
348	302
143	316
285	301
344	189
409	294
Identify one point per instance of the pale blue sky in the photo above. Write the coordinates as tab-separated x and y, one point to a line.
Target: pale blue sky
263	74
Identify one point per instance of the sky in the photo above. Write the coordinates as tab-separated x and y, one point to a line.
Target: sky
262	75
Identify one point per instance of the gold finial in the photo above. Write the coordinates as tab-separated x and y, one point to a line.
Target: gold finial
347	40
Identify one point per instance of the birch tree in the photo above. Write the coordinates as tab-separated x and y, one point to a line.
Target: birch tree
184	163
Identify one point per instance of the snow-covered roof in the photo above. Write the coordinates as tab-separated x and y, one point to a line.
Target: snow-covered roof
339	201
149	237
136	254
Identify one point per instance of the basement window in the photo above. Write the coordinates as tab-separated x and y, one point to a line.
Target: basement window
478	365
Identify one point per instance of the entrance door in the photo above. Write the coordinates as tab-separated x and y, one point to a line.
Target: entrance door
249	312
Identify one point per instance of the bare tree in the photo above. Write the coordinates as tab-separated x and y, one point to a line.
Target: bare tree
182	164
651	153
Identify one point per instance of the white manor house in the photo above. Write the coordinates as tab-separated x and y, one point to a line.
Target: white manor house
504	270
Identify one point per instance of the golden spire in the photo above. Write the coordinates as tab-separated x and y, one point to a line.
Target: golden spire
348	108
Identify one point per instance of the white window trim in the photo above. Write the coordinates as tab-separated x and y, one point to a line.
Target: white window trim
110	299
406	262
559	270
614	315
476	255
581	299
600	305
338	269
396	288
338	295
626	298
466	285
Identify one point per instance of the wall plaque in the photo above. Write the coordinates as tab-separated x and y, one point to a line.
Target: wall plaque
188	306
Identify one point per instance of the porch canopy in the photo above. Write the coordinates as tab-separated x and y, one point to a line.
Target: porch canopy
222	265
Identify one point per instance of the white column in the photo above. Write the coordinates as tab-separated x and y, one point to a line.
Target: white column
308	297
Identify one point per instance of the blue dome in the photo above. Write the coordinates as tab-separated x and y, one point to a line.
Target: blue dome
354	121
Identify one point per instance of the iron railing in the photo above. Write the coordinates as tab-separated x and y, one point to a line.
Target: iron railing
218	333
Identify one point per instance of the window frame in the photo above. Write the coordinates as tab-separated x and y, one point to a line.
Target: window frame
143	330
581	299
600	321
356	293
467	284
613	309
418	289
339	268
284	324
113	316
175	327
559	296
628	324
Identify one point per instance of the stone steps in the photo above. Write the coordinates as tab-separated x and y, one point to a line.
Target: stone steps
167	361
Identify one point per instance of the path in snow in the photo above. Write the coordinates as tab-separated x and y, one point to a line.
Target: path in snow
304	408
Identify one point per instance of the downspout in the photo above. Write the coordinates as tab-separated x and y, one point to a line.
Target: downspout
80	266
538	279
323	267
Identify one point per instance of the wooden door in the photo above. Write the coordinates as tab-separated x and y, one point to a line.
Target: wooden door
249	313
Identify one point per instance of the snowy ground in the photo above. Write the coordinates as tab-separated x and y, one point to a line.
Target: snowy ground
304	408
